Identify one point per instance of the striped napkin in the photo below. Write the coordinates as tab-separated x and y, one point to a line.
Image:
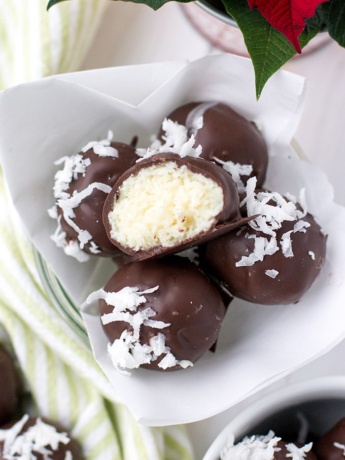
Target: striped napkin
65	382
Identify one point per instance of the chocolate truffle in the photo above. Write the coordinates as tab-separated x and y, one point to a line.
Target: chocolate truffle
38	439
331	446
161	314
225	137
165	203
9	385
80	190
274	259
268	447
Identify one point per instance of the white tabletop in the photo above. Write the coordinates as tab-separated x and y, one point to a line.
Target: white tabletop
134	34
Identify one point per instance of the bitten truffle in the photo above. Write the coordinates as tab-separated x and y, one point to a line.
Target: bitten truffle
225	136
331	446
161	314
9	387
35	438
80	190
165	203
276	258
268	447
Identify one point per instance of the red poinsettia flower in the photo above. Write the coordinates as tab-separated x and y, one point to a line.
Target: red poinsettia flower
287	16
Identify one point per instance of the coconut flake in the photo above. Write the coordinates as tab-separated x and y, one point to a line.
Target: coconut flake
128	298
176	140
298	453
312	254
286	244
127	352
41	438
236	170
272	273
271	210
102	147
301	226
250	448
338	445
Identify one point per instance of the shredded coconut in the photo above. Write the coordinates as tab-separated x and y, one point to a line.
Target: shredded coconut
312	254
236	170
338	445
272	210
176	140
41	438
102	147
252	448
127	352
298	453
261	448
272	273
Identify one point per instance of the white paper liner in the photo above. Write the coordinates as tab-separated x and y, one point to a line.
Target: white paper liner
42	121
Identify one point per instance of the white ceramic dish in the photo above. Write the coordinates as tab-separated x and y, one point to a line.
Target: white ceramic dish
320	400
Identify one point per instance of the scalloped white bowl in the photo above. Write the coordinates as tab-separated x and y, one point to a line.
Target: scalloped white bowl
320	400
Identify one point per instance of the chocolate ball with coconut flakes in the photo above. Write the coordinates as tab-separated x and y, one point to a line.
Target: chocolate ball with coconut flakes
162	314
165	204
225	136
10	387
331	446
267	265
36	438
269	447
80	189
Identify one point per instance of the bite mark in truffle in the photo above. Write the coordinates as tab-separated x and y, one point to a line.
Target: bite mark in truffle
166	203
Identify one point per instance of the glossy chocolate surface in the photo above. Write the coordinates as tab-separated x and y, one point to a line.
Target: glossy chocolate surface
225	135
326	449
185	298
228	218
251	283
88	215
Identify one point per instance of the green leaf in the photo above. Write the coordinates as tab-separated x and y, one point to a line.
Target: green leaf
154	4
268	48
335	20
53	2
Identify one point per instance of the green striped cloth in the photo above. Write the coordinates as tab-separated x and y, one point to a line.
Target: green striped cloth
65	382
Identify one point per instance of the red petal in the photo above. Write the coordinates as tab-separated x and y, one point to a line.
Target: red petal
287	16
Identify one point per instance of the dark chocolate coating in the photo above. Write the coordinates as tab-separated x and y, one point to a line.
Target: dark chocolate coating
186	298
228	218
325	449
226	135
88	215
9	387
296	274
62	449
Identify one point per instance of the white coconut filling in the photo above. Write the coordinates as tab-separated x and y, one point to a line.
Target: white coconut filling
40	438
175	140
270	219
236	170
128	352
261	448
163	205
